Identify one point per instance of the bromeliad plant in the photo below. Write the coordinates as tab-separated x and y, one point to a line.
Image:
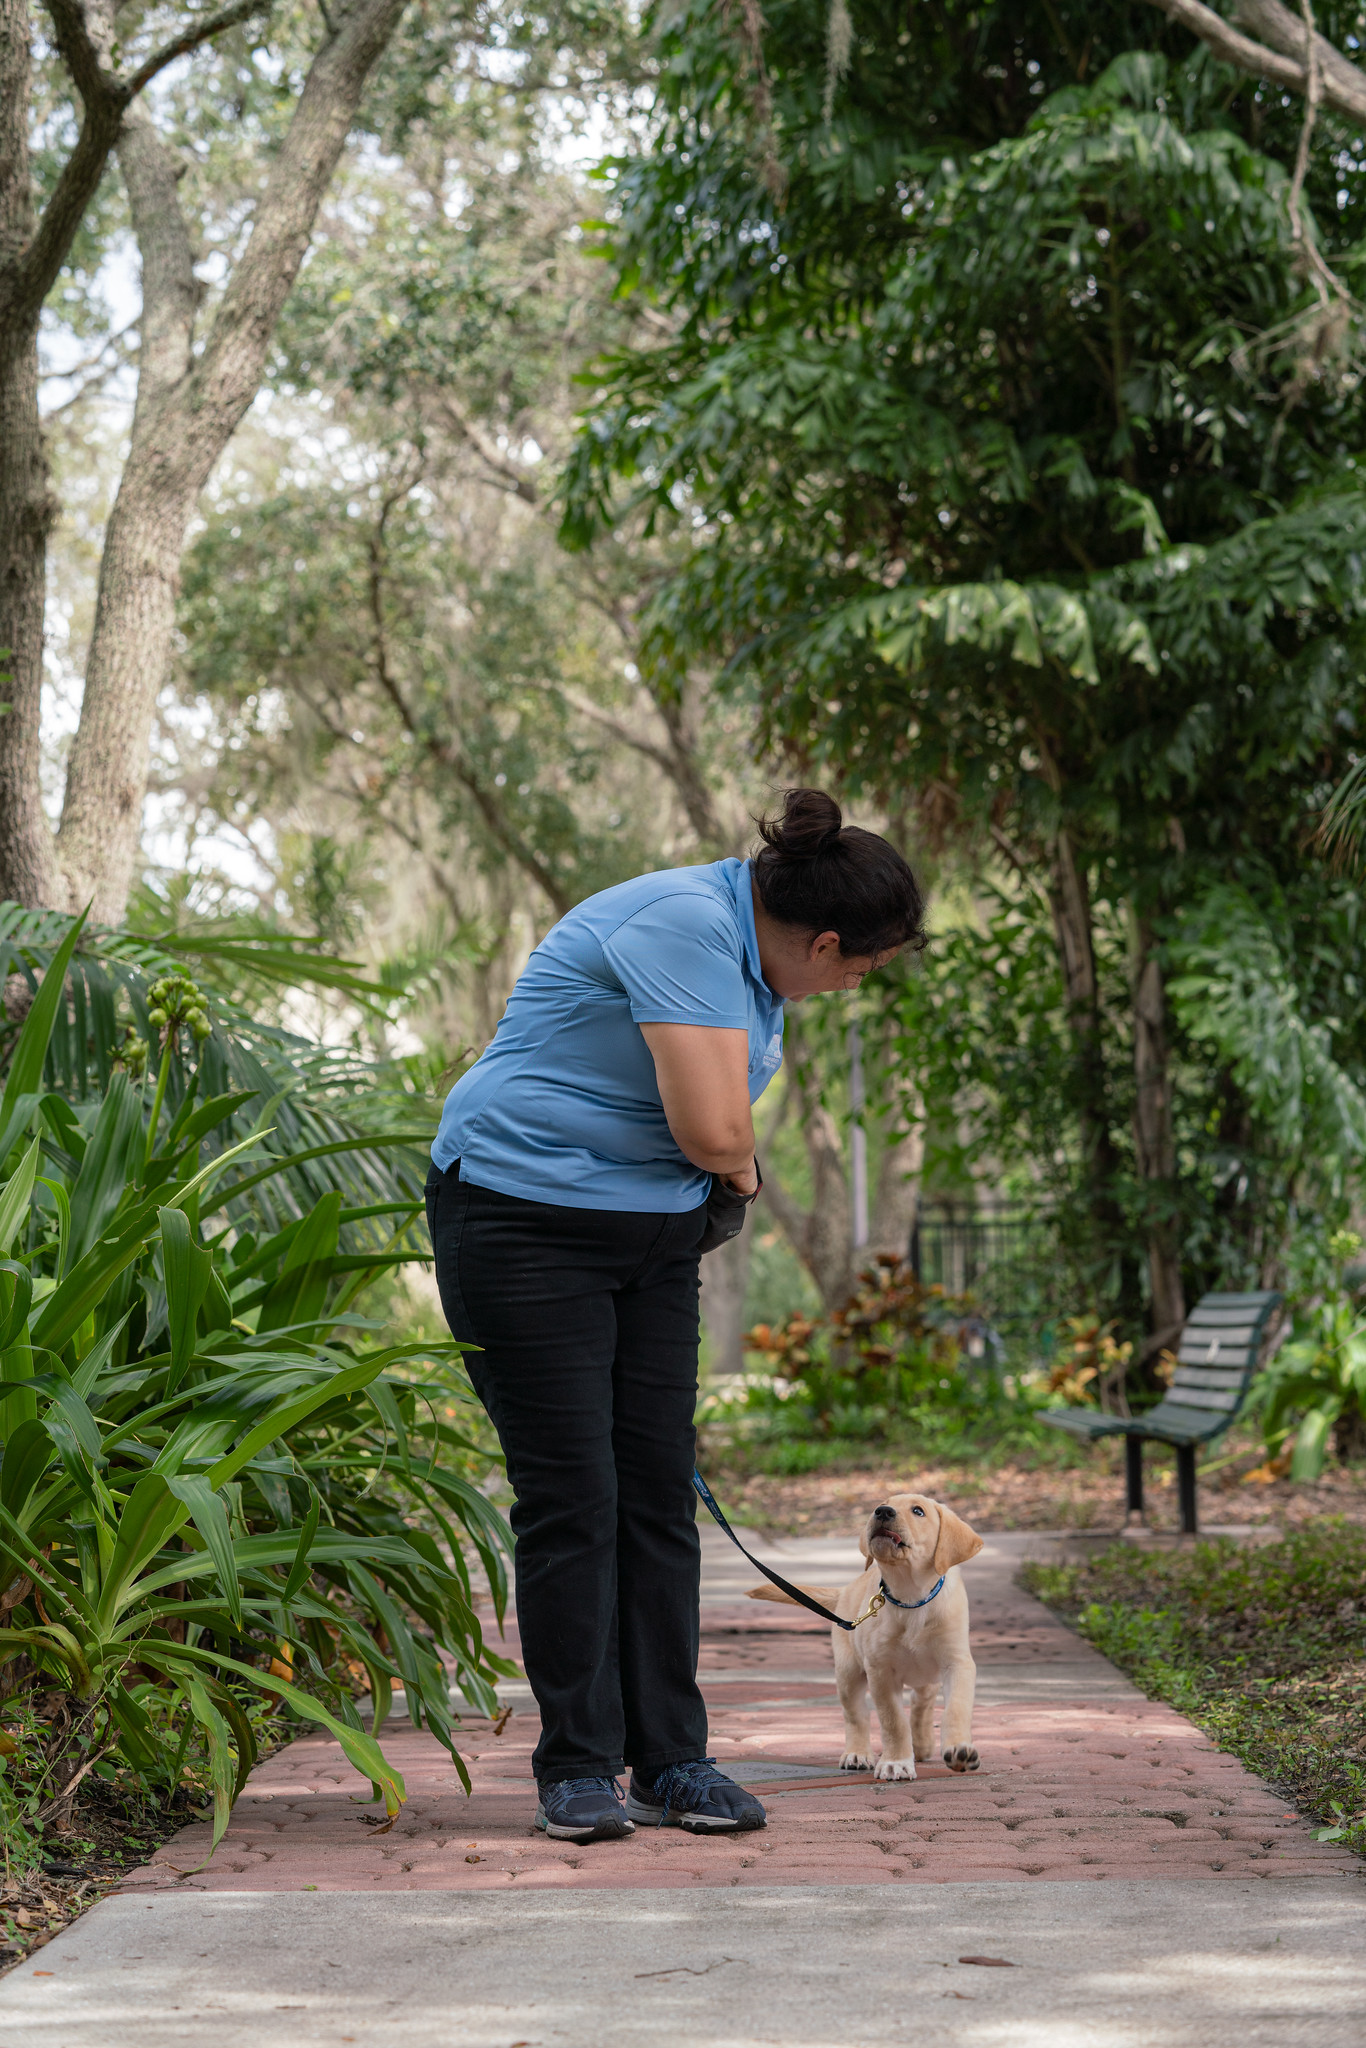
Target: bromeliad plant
218	1492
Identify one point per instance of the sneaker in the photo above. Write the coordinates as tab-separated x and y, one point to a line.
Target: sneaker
696	1796
583	1810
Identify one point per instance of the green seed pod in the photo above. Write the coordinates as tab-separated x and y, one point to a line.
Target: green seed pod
156	1017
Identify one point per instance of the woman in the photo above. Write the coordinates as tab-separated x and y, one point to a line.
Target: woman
567	1202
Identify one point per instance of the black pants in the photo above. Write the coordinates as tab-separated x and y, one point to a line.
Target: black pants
588	1323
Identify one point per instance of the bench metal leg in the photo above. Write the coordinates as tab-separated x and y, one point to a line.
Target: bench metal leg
1185	1484
1133	1478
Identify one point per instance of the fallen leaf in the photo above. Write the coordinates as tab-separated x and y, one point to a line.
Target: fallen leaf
45	1973
474	1859
989	1962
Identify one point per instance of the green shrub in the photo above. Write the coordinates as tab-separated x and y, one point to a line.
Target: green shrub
895	1365
222	1498
1312	1395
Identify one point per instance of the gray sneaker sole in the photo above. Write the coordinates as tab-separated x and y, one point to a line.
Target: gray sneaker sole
614	1830
695	1823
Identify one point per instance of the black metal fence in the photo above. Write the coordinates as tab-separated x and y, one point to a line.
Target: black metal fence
958	1246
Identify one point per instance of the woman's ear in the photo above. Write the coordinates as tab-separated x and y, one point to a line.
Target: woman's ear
956	1542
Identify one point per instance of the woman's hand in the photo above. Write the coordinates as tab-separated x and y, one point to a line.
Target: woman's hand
703	1076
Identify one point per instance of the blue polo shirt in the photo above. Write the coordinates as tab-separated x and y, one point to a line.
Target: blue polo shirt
563	1106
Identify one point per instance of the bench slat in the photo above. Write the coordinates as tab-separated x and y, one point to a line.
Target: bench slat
1215	1351
1203	1397
1228	1378
1255	1300
1221	1317
1183	1425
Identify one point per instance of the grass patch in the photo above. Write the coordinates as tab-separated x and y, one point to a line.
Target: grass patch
1262	1647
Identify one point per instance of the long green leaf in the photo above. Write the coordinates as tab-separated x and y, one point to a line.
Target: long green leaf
16	1197
360	1750
210	1517
87	1373
222	1774
151	1515
28	1453
108	1165
301	1157
16	1296
186	1268
25	1075
64	1312
298	1571
75	1414
289	1413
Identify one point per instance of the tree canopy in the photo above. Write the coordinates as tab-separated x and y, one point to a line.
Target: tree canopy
1018	452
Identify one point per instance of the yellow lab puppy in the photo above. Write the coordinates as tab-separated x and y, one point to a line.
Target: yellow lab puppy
917	1638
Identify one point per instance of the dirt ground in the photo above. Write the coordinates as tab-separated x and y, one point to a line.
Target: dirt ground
1019	1496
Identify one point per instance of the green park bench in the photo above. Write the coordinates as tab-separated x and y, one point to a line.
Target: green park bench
1220	1342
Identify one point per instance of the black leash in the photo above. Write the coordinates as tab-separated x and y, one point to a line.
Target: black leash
793	1592
704	1492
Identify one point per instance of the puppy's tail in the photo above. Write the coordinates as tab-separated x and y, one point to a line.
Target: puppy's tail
827	1595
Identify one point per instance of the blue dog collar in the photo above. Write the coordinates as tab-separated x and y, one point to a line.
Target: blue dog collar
910	1604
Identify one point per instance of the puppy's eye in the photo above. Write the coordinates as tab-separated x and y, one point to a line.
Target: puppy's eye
920	1512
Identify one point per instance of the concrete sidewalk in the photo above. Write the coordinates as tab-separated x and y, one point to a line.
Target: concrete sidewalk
1143	1887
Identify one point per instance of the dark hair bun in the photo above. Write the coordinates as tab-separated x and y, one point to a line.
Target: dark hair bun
821	875
810	824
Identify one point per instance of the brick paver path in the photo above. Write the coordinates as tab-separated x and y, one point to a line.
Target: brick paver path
1081	1778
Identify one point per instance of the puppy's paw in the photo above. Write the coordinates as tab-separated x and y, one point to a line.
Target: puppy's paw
852	1760
962	1757
897	1769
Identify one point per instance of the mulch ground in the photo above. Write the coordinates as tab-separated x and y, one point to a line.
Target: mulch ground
107	1838
1018	1496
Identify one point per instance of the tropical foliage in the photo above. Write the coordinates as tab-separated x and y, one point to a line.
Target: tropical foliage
898	1363
1019	459
1313	1393
222	1496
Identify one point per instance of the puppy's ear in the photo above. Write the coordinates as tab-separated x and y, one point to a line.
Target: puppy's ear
956	1544
864	1552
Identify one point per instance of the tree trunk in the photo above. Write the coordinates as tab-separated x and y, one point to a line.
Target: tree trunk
28	871
725	1280
897	1196
1155	1138
822	1236
32	251
1069	898
184	418
28	868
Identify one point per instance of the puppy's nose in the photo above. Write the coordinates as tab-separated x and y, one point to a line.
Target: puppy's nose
884	1514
